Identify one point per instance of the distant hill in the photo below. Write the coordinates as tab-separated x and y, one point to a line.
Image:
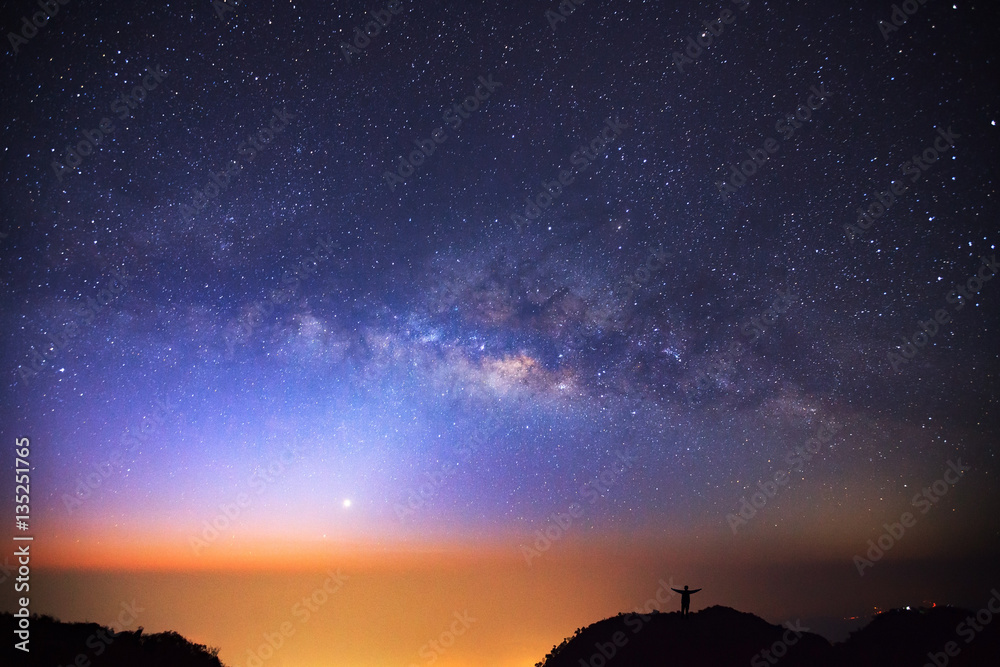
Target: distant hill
723	637
901	637
713	637
56	643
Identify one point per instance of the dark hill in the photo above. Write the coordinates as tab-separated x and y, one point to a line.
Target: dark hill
713	636
905	637
56	643
724	637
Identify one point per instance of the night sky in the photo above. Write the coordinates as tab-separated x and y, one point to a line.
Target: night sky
412	301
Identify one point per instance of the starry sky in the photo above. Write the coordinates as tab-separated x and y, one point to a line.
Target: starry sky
401	291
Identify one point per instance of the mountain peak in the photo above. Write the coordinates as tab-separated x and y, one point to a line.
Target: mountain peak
720	636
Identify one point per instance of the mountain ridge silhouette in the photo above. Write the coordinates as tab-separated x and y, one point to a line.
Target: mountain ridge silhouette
716	636
54	642
720	636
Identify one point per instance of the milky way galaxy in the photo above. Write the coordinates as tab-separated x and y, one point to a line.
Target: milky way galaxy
584	293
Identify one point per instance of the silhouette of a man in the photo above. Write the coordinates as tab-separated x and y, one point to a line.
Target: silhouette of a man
685	600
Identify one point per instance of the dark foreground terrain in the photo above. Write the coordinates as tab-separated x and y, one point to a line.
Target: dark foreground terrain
54	644
724	637
713	637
